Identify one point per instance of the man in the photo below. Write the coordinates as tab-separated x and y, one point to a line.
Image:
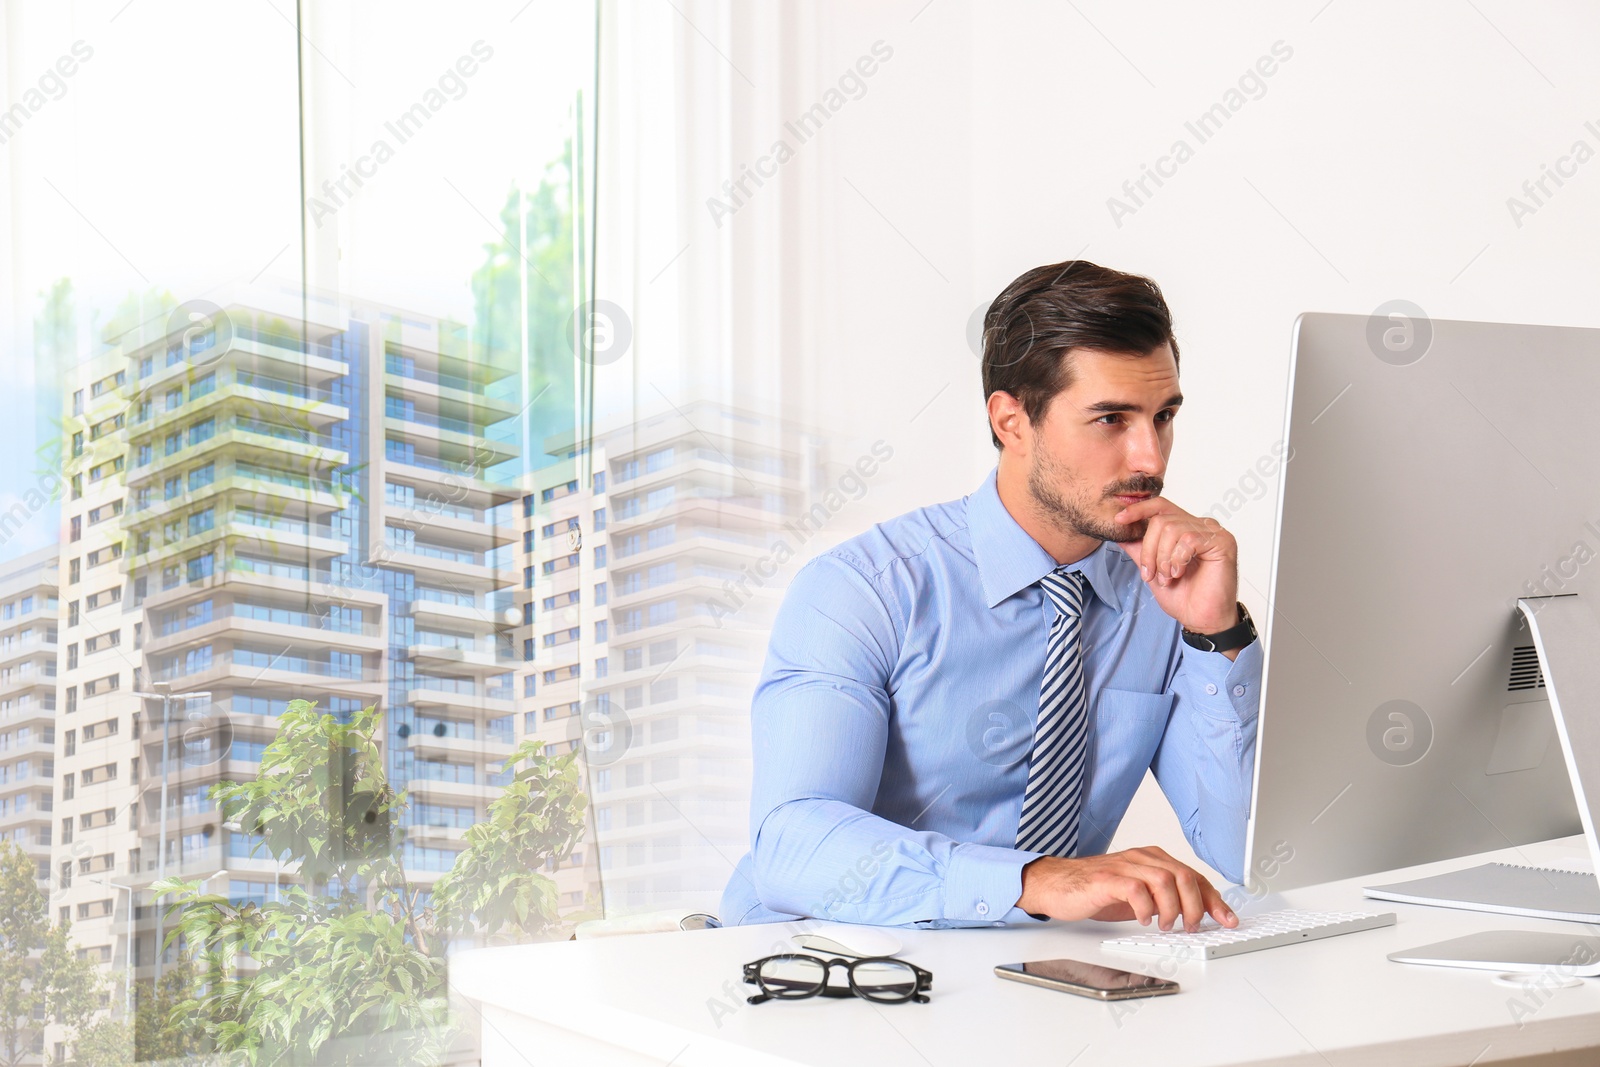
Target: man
958	705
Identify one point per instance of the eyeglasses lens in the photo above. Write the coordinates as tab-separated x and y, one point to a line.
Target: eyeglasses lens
885	980
792	976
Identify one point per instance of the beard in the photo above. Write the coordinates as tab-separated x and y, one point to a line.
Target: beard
1074	516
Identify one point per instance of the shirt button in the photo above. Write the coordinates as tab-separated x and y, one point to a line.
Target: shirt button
1238	690
982	908
1211	690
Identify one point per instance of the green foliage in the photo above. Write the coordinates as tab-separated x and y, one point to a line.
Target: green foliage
105	1043
321	798
42	981
157	1035
353	970
497	880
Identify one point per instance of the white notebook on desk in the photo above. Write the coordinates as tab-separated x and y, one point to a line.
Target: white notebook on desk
1505	888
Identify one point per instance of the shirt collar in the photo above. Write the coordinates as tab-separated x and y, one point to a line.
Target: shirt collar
1009	559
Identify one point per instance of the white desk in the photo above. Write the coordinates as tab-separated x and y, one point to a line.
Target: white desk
677	998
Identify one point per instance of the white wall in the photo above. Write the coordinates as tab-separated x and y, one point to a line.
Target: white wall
1376	164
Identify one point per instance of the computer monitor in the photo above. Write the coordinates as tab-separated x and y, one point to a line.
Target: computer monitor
1436	472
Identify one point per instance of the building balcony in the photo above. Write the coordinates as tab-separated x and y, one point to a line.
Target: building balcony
18	651
455	793
253	437
19	682
478	661
448	433
446	568
424	694
425	745
461	393
459	482
480	620
249	622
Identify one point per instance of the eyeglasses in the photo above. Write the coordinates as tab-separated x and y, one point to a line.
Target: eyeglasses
793	976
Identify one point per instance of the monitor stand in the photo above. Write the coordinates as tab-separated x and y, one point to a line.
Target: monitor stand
1567	637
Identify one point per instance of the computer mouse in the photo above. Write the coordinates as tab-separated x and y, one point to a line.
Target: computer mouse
849	939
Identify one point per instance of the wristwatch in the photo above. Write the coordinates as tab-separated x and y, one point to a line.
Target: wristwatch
1226	641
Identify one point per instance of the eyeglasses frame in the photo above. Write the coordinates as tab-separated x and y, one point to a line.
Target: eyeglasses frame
752	976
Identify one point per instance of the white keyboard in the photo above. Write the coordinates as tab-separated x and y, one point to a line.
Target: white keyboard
1275	928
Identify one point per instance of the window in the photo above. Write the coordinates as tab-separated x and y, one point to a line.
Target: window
72	699
72	613
103	773
529	685
201	521
72	656
602	667
599	594
527	506
110	683
100	642
600	631
599	519
202	476
527	614
599	555
202	431
599	481
67	786
77	447
527	650
77	402
527	577
77	529
527	540
104	512
74	570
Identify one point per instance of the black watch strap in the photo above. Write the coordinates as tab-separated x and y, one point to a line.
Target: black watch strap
1226	641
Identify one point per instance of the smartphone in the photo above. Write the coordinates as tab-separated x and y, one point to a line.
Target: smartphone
1087	979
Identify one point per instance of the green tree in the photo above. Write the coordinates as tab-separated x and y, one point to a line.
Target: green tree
42	981
106	1042
349	968
155	1036
530	281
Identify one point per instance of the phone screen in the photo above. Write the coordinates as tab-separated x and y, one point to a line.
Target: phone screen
1088	975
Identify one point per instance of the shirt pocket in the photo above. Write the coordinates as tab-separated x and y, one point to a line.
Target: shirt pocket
1128	729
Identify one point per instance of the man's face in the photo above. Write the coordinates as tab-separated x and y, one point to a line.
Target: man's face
1103	443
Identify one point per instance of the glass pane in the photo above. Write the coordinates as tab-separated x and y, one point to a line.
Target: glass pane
787	976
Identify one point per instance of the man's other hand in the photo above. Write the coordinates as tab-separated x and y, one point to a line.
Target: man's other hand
1139	883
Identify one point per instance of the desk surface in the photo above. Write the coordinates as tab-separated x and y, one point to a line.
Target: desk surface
676	998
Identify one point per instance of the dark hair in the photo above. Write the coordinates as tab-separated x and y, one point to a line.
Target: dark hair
1032	326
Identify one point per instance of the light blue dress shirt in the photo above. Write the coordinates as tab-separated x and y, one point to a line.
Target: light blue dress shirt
895	713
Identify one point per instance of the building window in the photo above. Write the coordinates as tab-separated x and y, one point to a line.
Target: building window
602	667
527	650
527	506
527	540
77	443
72	613
599	519
600	631
599	481
77	486
529	685
77	402
77	528
599	555
599	594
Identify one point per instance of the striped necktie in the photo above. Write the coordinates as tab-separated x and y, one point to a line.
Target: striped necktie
1054	797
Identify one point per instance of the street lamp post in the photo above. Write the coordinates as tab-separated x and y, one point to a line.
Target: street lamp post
127	1005
165	695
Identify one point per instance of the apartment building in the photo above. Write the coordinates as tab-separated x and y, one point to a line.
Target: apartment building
269	504
652	567
28	633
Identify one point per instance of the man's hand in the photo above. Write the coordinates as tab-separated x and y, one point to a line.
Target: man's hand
1140	883
1191	564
